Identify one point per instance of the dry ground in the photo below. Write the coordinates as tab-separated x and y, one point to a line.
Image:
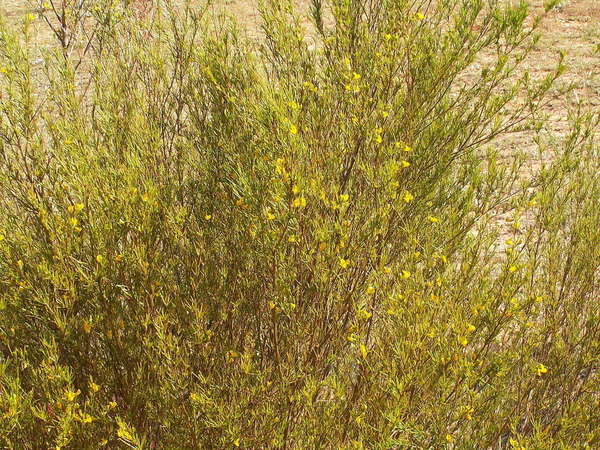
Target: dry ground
573	27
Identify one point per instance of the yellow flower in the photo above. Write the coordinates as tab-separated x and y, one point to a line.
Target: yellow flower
512	269
420	16
79	207
405	274
73	221
388	36
87	327
378	139
449	438
310	86
270	216
299	202
469	411
30	17
20	264
123	432
86	418
370	290
207	217
471	328
322	246
356	76
433	219
100	259
292	238
363	314
344	263
404	163
463	341
344	198
237	442
112	405
70	395
363	351
408	197
293	129
94	387
541	369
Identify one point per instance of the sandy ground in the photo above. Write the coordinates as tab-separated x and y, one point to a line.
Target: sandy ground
573	27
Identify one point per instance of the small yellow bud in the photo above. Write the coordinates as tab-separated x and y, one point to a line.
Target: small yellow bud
363	351
344	263
541	369
299	202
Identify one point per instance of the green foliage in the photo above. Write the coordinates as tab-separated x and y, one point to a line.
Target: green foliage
212	242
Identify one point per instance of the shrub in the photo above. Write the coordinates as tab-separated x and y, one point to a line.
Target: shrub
208	241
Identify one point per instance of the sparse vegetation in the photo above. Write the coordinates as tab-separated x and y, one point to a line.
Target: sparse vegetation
208	241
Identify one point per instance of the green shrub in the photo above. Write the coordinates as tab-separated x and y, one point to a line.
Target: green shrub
208	241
